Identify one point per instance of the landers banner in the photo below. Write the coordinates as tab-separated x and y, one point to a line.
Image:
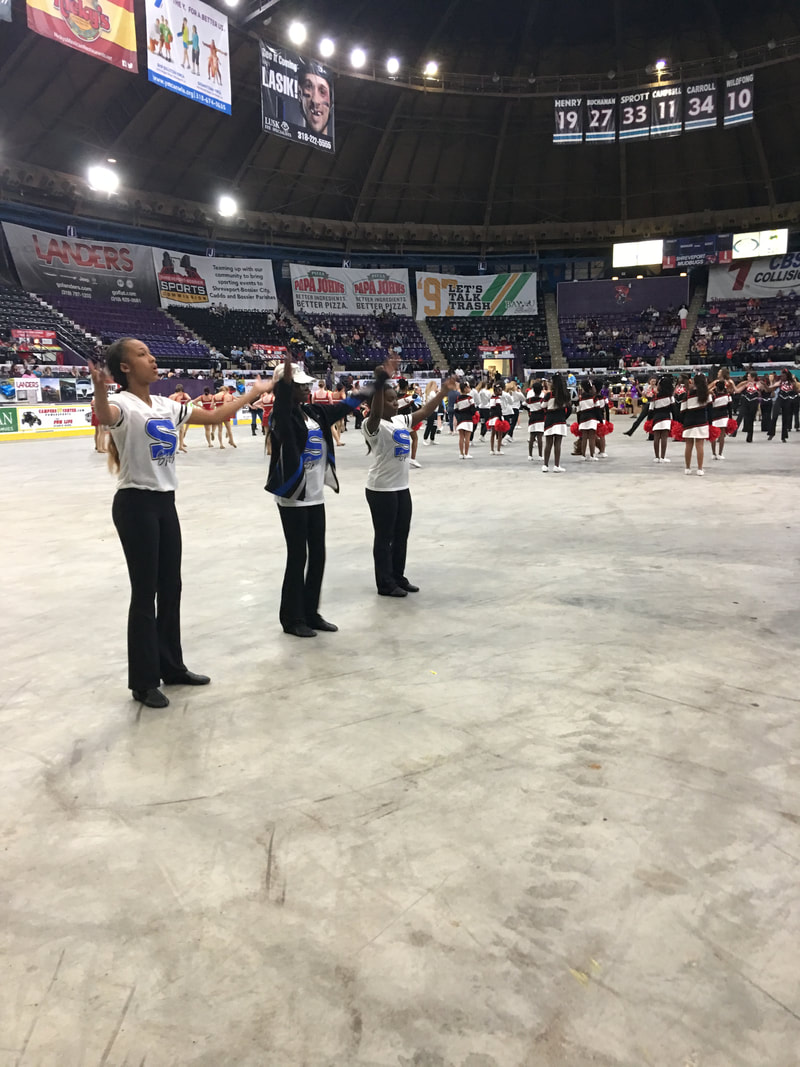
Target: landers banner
200	281
610	297
775	276
104	29
296	98
476	295
93	270
346	291
187	51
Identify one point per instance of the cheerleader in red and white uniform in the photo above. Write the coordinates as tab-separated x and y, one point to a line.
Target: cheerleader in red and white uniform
588	420
659	415
694	418
721	410
465	412
556	413
497	423
534	402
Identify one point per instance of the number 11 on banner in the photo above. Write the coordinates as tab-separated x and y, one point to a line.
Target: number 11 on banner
569	120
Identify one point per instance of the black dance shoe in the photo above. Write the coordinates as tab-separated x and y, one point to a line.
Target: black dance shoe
188	678
318	623
151	698
299	629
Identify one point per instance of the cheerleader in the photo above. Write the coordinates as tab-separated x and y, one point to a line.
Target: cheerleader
721	409
180	396
749	400
432	421
588	420
465	412
535	406
208	403
681	390
785	388
694	417
484	400
507	412
660	409
495	421
767	399
603	415
556	413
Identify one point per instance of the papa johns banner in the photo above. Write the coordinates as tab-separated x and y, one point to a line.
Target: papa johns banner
476	295
94	270
198	281
347	291
104	29
187	51
755	278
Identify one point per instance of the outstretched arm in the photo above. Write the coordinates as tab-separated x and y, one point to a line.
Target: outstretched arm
201	417
431	405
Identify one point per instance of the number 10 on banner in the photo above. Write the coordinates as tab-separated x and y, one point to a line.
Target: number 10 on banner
568	120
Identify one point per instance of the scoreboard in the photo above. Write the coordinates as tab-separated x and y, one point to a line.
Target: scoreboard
660	111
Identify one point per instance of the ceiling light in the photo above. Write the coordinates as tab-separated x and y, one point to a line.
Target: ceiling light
103	179
639	277
772	43
661	64
297	32
110	160
431	68
683	274
227	206
531	79
231	3
358	57
326	47
393	64
495	77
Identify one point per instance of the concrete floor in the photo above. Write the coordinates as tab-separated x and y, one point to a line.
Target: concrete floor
545	813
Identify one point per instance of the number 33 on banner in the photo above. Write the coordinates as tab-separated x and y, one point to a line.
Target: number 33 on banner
436	294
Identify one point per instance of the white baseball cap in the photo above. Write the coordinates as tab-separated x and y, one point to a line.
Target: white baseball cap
298	375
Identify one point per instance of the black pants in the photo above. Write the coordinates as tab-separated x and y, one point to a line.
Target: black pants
639	420
255	415
484	413
431	429
148	527
784	408
747	417
513	421
391	520
304	531
766	415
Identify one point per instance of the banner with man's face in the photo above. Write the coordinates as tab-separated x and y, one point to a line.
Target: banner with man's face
296	98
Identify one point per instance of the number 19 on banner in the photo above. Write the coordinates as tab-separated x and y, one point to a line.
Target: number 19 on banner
569	120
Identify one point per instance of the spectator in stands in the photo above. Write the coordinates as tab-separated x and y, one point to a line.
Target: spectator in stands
683	315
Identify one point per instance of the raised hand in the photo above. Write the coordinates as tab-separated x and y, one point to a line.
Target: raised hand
391	365
98	375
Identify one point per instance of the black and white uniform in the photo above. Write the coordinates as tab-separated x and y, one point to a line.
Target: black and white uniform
535	406
484	400
660	411
464	412
784	406
495	410
749	399
588	414
721	410
694	417
555	418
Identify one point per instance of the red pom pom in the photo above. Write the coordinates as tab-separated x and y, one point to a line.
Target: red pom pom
676	430
575	430
732	426
476	418
714	433
648	425
609	428
502	426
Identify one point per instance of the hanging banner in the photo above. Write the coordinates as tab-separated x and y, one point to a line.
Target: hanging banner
348	291
568	120
700	106
34	337
5	10
296	98
756	278
666	116
681	252
601	118
104	29
187	51
94	270
605	296
476	295
634	115
198	281
738	103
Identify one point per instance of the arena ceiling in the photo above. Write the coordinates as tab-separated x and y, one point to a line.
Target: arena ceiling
471	165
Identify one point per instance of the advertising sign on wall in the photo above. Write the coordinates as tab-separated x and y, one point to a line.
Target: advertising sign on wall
296	98
36	337
104	29
200	281
610	297
187	51
347	291
94	270
476	295
778	275
41	419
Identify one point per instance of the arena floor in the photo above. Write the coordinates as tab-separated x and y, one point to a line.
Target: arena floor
547	812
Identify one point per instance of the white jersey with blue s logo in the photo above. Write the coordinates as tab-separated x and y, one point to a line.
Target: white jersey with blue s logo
390	451
315	463
146	436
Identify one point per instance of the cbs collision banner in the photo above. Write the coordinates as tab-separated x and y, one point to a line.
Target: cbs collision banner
296	98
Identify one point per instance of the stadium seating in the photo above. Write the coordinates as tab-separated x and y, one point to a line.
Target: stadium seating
21	311
461	338
230	329
747	329
589	341
362	342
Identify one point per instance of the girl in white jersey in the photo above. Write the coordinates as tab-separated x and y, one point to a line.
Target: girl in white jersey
388	437
144	440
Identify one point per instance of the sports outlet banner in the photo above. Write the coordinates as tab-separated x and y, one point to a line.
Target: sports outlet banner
476	295
296	98
104	29
200	281
94	270
347	291
187	51
775	276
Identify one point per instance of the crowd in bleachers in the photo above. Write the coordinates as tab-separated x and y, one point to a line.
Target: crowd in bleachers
745	331
618	339
231	332
361	342
21	311
461	339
